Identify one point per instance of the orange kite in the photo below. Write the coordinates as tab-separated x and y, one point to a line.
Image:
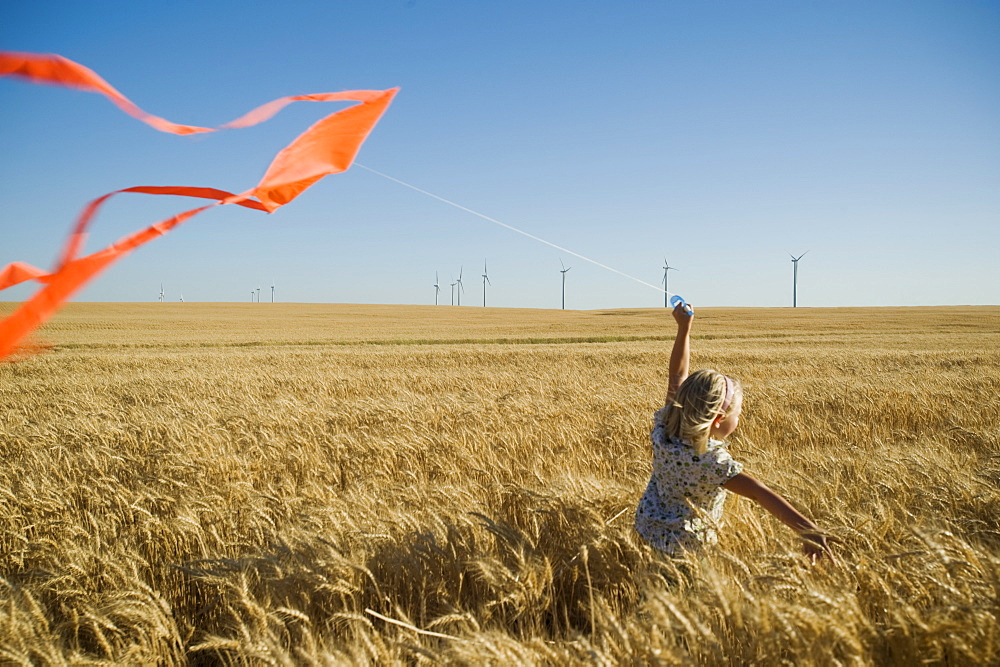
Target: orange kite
328	147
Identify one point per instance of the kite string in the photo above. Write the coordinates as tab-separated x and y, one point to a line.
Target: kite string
515	229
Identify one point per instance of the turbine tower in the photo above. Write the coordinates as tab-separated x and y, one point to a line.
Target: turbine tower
161	292
486	279
563	272
460	287
795	277
272	291
258	294
251	296
437	288
666	291
453	293
182	298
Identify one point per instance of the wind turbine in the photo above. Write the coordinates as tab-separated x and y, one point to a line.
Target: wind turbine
486	279
258	294
453	293
161	292
251	296
460	287
272	291
666	292
437	287
795	277
182	298
563	272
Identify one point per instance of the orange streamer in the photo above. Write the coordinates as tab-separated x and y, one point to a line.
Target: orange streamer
328	147
59	71
79	232
16	273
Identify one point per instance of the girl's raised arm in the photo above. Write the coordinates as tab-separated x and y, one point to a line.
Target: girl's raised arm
680	355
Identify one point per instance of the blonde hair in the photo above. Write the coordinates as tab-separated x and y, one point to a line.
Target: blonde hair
698	401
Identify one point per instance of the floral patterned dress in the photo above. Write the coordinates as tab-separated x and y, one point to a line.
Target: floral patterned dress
683	503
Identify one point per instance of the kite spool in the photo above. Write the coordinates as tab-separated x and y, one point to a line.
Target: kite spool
677	300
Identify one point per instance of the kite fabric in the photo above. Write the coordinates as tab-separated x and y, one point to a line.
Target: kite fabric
328	147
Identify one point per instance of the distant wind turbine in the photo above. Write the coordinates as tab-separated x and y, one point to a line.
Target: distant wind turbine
251	296
795	277
437	287
182	298
453	293
272	291
460	287
161	292
666	292
563	272
258	294
486	279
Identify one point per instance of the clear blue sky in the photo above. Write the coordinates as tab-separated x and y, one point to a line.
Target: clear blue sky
720	135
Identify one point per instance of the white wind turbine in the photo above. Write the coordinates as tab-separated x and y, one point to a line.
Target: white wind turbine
437	287
563	272
258	294
251	296
161	292
486	279
795	277
453	293
460	287
182	298
272	291
666	292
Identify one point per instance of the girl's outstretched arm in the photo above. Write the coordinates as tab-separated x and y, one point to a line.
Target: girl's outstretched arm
816	544
680	355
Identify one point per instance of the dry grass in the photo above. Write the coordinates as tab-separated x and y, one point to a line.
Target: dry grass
258	484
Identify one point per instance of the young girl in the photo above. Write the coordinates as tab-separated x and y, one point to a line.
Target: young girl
692	470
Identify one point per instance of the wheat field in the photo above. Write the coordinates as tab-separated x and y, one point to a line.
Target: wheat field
283	484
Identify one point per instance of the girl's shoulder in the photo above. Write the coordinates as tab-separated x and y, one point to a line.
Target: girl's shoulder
714	451
671	443
718	450
660	437
716	444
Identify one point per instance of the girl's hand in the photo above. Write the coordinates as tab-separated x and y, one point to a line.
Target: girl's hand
682	316
817	547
